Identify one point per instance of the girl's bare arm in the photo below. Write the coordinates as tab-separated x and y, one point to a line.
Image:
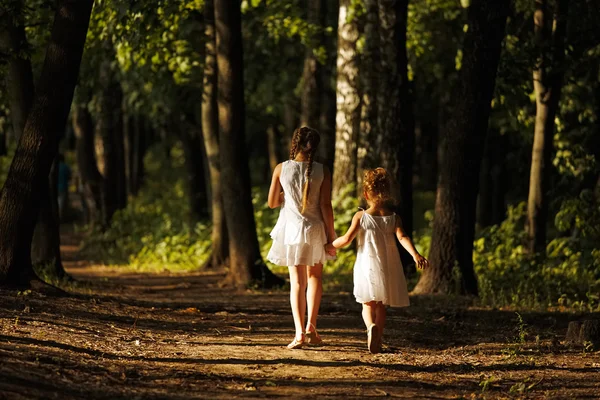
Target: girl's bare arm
275	198
326	207
409	246
345	240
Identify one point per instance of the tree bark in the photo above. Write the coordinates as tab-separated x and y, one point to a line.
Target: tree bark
454	223
38	147
396	133
91	179
210	130
246	265
347	100
547	85
19	75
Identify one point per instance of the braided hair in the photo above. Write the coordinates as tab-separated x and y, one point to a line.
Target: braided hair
305	140
377	185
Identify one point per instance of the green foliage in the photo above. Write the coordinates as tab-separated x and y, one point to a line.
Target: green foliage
153	232
509	276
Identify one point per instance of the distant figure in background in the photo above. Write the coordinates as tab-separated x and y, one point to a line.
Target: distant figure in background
64	176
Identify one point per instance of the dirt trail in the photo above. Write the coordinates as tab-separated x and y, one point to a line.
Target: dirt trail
141	336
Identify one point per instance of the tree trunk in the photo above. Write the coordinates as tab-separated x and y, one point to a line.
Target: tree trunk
135	149
19	75
547	85
347	100
246	265
110	126
38	147
210	130
311	75
273	147
193	148
20	88
454	223
45	247
396	134
370	70
329	17
91	179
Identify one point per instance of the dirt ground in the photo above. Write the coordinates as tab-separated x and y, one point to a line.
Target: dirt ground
167	336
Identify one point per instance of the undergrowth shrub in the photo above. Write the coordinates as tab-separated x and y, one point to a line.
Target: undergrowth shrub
567	276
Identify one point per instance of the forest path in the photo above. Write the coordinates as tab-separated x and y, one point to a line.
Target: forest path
175	336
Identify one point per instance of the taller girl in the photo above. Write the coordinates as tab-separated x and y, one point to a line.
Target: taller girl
304	231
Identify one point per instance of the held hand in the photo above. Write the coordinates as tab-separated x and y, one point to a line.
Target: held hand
337	243
421	261
330	249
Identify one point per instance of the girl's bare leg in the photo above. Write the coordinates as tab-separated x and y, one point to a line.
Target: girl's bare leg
380	315
368	313
298	297
313	295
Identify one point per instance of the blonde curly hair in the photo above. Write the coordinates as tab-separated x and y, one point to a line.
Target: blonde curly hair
378	186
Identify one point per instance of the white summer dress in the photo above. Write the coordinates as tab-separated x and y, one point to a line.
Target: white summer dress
299	239
378	274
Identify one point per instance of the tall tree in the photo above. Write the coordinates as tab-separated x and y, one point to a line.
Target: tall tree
395	138
20	88
91	179
370	75
347	100
19	75
110	127
312	85
210	130
38	147
246	264
329	18
547	84
454	223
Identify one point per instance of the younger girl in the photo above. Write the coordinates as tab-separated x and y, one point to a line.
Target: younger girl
378	276
304	231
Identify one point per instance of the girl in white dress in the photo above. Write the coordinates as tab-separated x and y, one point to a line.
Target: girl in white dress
378	275
304	231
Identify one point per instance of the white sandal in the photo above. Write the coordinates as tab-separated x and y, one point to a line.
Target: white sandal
296	343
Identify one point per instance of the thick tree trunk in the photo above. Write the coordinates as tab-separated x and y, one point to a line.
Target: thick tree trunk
396	135
91	179
246	265
370	72
210	130
311	76
19	75
110	126
454	224
547	85
45	247
19	84
348	101
29	171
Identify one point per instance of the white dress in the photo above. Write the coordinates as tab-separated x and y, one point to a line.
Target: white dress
299	239
378	274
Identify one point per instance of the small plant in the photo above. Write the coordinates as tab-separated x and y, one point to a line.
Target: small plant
486	383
